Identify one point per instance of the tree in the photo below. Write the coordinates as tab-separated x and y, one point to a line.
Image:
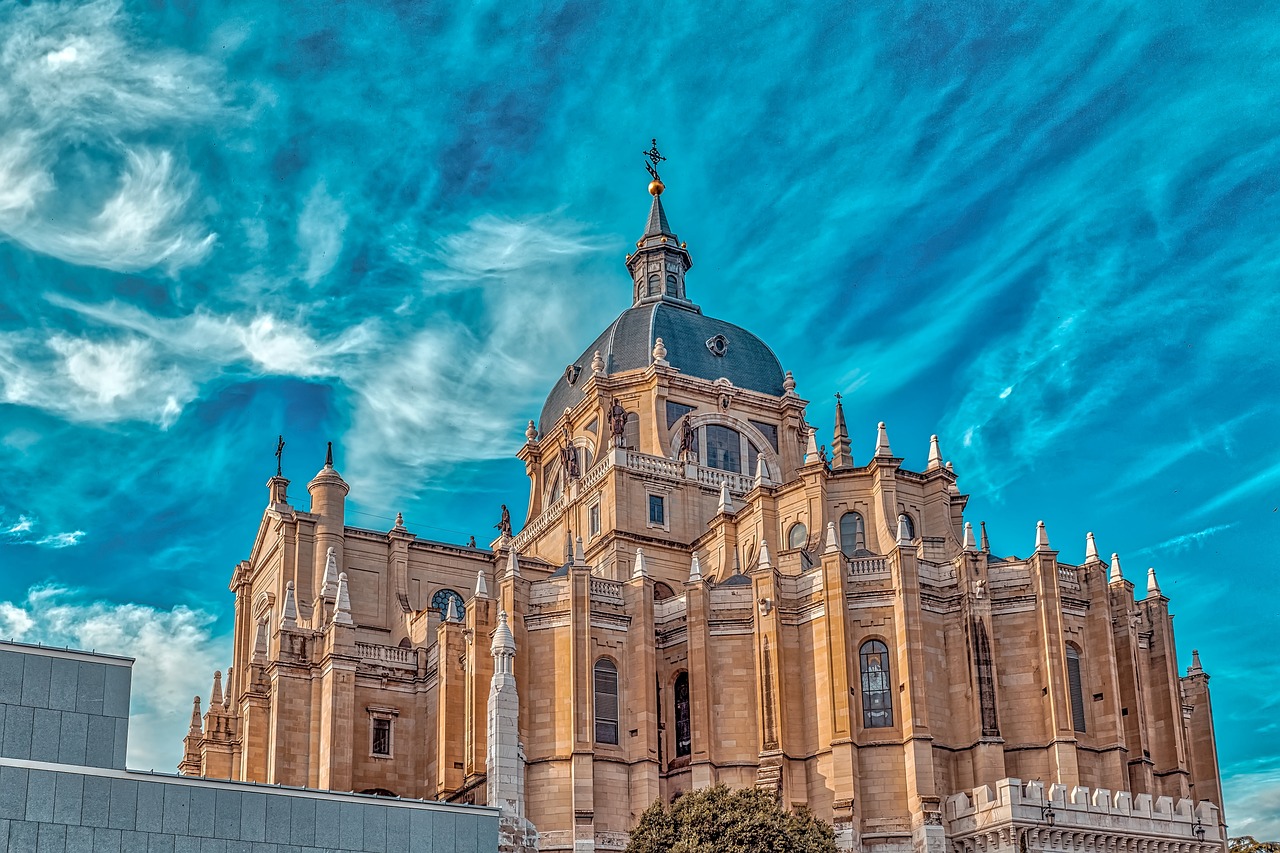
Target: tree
718	820
1249	844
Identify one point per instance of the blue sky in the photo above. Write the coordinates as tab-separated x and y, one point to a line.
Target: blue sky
1045	232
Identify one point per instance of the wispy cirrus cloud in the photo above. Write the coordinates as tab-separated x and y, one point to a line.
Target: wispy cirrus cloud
84	175
1185	541
24	531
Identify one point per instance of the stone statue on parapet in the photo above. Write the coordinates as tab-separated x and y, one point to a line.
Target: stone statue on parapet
504	523
618	423
569	457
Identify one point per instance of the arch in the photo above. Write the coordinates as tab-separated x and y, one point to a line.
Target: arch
655	285
756	440
911	525
797	536
684	734
853	533
672	286
1075	686
440	601
661	591
877	697
605	686
723	447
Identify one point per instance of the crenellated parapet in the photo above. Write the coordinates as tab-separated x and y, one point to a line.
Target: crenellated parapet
1036	817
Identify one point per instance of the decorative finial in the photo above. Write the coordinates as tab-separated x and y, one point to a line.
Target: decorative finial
195	716
579	554
695	569
1116	574
329	583
504	642
765	561
985	544
399	521
904	532
328	456
882	441
451	613
811	450
597	363
1195	668
1153	588
656	186
279	455
789	384
342	610
482	586
1042	537
935	454
531	432
726	501
833	543
289	617
969	545
513	563
215	695
762	473
641	569
659	353
1090	549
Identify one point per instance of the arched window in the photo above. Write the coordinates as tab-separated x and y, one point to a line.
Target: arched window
724	448
853	533
911	525
440	601
606	692
1076	687
877	700
655	286
797	536
684	739
661	592
671	285
631	432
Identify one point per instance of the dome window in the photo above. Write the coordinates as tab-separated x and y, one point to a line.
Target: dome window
718	345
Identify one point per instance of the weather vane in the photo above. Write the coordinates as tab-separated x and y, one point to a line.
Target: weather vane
279	454
654	158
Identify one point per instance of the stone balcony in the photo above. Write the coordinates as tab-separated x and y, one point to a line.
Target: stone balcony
1020	818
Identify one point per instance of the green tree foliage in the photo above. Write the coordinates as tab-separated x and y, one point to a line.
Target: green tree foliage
718	820
1249	844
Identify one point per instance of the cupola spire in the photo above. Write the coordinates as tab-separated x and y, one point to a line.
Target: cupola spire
660	261
841	456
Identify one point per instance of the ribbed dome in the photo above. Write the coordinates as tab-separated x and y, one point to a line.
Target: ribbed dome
627	344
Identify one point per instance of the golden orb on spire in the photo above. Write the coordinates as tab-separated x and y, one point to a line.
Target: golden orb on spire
656	187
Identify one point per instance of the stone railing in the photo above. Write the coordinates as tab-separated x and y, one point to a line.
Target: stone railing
1079	819
387	655
1068	578
539	525
596	474
606	591
862	568
739	483
659	465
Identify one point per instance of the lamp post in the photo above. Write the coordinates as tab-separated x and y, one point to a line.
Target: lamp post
1198	829
1047	814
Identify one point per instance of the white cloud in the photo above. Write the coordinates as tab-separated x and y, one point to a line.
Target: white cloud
1253	801
75	84
23	532
1185	541
320	229
174	648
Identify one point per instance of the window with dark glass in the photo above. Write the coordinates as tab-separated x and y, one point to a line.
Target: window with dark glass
676	411
381	736
769	431
1076	687
655	285
440	601
657	510
877	699
724	448
853	533
797	536
753	458
606	693
593	520
684	739
671	285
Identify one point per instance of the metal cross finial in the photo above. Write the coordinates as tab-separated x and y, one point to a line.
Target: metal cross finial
279	454
654	159
837	396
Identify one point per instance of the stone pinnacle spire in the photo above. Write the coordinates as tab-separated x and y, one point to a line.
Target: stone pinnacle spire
726	501
1042	537
329	586
882	442
641	570
904	532
986	544
482	586
811	452
969	544
1195	668
660	261
841	453
935	454
832	545
289	616
765	561
259	653
1116	574
513	563
195	717
1153	587
215	695
1090	549
342	610
695	569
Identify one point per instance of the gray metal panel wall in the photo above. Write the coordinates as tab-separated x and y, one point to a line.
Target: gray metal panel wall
60	810
55	707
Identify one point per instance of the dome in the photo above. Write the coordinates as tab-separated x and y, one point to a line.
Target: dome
689	336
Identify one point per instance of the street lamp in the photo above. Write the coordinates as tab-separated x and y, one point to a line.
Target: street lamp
1047	814
1198	829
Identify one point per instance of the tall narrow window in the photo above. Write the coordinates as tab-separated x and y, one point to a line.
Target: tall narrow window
853	533
986	680
655	286
797	536
684	739
606	691
593	520
877	700
657	510
1077	689
381	745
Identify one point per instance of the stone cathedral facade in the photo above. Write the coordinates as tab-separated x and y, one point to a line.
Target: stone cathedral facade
700	595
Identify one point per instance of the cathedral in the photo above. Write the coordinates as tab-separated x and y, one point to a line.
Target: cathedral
702	594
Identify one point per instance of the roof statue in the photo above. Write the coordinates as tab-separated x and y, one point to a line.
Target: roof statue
504	523
618	423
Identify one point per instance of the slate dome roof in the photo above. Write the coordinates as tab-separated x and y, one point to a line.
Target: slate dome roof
627	344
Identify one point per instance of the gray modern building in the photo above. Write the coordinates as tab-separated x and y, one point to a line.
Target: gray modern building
64	787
